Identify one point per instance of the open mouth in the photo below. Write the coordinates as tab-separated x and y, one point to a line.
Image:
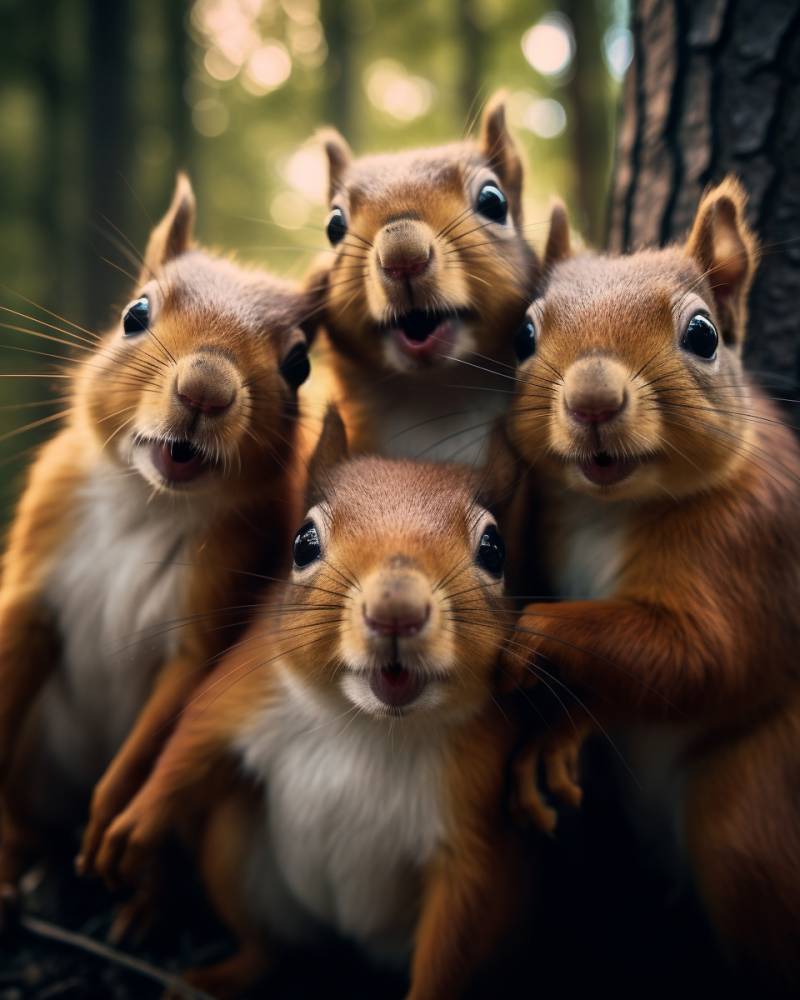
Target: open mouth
177	461
603	469
396	686
424	335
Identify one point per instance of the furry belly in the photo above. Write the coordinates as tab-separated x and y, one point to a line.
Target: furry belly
349	821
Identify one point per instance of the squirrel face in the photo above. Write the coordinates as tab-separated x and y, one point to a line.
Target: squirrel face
431	263
631	384
196	385
398	575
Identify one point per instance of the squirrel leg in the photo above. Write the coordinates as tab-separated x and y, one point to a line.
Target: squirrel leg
222	853
743	834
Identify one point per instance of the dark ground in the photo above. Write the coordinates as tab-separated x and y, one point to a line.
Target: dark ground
606	923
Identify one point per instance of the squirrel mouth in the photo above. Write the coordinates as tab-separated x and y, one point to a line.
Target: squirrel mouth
396	686
177	461
603	469
423	334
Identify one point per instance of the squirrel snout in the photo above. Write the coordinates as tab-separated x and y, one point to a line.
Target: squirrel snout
594	390
396	604
404	249
206	384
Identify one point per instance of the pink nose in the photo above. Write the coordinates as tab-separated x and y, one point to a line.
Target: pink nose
595	414
397	607
209	407
402	269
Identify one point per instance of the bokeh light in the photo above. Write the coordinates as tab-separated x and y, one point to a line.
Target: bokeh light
618	51
549	45
393	90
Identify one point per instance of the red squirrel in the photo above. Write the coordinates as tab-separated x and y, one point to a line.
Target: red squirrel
133	552
431	267
345	768
670	518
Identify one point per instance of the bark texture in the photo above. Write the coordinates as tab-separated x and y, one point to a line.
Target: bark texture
714	88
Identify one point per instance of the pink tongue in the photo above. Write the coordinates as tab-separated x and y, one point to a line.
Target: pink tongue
439	341
396	686
172	470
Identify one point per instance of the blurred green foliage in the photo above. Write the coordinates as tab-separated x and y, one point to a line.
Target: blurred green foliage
103	100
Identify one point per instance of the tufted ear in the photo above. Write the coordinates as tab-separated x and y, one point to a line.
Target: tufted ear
173	235
314	295
497	146
725	249
331	450
558	243
339	157
501	472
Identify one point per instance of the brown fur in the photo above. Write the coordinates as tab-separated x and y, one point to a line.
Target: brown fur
210	318
697	626
401	206
380	515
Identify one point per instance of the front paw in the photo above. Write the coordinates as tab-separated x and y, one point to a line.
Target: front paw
127	849
555	761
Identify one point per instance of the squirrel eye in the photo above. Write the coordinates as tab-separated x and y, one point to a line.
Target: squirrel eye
525	340
136	317
336	227
306	548
701	337
492	203
296	367
491	554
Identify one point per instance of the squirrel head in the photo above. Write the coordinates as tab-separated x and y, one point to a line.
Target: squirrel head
430	258
631	384
195	388
397	585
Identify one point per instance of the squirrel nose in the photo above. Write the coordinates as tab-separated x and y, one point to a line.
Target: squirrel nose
594	391
205	385
396	604
404	249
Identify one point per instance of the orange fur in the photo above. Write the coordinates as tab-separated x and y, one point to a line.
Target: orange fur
393	518
408	207
693	623
218	332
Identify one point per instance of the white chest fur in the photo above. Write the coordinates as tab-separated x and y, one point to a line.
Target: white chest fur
448	417
352	813
116	590
588	546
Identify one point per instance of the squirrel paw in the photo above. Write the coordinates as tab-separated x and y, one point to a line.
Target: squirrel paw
558	759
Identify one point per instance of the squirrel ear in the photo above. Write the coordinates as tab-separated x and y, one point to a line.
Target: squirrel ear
725	249
331	450
314	293
501	473
558	245
173	235
339	156
498	147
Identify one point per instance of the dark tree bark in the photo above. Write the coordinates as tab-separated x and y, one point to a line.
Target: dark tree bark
590	114
471	61
714	88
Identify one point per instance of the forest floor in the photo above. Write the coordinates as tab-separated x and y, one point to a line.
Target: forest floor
606	924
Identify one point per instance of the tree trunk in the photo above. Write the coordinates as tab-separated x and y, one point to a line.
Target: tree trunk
714	88
588	97
337	107
110	151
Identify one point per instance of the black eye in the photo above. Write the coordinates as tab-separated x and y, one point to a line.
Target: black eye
491	554
306	545
701	337
492	203
525	340
336	227
296	367
136	317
